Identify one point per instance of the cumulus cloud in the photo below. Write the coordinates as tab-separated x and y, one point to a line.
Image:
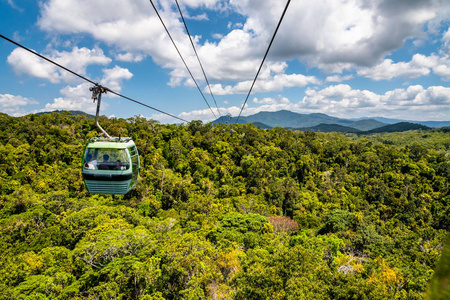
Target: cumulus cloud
135	28
202	114
446	40
332	32
130	57
343	101
333	35
265	101
79	97
442	68
418	96
24	62
113	78
276	83
335	98
14	5
14	105
200	17
420	65
74	98
235	58
338	78
127	26
270	104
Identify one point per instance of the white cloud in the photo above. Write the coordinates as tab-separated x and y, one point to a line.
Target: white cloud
338	78
17	37
127	26
8	100
333	35
420	65
134	28
234	58
79	97
25	62
129	57
13	5
212	4
200	17
217	36
335	98
343	101
446	40
197	115
14	105
418	96
74	98
113	78
276	83
78	60
270	104
267	104
265	101
437	95
443	68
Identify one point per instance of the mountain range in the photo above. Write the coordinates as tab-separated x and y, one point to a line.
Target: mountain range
319	122
324	123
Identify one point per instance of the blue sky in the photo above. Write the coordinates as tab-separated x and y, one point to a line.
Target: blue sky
344	58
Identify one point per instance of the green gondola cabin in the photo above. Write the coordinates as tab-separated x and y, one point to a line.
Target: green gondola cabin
110	165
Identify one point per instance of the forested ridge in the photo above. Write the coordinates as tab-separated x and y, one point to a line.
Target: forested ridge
222	213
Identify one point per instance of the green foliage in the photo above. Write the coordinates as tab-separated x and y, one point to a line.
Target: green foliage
439	286
338	221
237	229
223	214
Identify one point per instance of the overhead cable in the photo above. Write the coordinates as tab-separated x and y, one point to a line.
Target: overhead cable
47	59
173	42
198	58
143	104
265	55
89	80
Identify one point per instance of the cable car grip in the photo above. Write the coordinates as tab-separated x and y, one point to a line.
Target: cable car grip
97	91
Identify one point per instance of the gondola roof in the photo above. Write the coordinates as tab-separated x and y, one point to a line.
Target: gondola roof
112	143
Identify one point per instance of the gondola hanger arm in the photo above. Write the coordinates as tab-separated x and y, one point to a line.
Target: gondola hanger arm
97	92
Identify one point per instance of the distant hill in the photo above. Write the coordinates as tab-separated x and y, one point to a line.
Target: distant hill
433	124
289	119
367	124
399	127
72	112
330	128
318	122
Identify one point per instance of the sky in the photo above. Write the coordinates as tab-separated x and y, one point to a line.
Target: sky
344	58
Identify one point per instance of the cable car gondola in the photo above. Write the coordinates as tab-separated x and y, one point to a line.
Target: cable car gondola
110	165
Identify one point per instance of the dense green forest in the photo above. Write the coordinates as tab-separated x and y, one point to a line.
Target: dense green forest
222	213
